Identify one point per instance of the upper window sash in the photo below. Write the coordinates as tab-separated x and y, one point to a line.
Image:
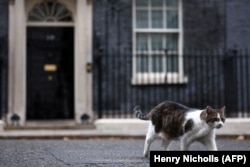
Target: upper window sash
148	15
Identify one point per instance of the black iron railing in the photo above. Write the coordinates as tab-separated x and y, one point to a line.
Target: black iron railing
200	78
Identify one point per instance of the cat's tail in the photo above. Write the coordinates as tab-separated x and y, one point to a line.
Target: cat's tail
139	114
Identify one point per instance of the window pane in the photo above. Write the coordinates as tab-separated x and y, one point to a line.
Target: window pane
157	42
141	42
172	3
172	42
157	18
157	63
142	19
157	3
142	3
172	63
141	63
172	19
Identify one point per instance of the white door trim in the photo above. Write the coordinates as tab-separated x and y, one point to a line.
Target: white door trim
82	13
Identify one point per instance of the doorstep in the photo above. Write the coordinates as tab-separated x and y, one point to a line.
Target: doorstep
53	125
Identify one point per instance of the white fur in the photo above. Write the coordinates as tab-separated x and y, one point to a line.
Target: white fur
201	132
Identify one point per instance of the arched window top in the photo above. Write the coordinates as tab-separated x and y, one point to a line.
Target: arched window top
50	11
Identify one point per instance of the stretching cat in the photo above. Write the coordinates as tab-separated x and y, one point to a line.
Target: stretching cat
170	120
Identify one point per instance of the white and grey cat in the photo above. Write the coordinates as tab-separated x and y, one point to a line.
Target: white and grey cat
170	120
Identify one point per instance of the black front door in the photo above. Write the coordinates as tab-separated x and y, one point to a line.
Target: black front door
50	75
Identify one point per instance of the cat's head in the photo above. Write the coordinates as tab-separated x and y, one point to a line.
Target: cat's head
214	117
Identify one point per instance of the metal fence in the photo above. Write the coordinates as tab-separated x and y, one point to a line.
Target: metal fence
195	79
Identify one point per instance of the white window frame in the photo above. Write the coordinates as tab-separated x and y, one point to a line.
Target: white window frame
160	77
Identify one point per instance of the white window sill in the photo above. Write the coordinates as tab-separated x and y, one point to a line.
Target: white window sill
158	78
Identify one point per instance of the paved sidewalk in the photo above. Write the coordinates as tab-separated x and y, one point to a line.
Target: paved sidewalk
234	128
91	153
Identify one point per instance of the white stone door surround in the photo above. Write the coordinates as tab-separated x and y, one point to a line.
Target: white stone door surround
82	23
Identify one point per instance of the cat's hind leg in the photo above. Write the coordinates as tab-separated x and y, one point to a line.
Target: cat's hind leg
150	137
165	143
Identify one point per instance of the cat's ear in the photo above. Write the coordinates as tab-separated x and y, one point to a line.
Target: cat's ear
222	110
208	109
